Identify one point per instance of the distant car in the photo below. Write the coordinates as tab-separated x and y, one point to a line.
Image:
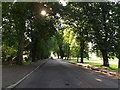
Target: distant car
51	57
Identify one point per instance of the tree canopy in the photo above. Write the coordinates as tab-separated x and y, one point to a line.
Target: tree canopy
64	30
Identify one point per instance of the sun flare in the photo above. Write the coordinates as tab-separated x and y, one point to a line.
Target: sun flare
43	12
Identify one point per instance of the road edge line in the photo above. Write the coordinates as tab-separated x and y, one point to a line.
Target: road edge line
22	79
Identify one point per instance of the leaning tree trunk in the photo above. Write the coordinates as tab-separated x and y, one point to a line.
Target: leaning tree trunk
105	58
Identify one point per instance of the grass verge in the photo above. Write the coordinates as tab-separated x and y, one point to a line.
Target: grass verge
112	66
24	64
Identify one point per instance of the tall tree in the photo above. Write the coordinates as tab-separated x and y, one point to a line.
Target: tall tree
101	28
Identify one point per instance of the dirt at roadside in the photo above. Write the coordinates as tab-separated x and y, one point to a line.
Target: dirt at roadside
110	72
11	75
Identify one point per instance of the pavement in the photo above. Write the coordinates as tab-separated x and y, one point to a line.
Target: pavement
11	75
61	74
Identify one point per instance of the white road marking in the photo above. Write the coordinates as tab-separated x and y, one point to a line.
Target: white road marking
15	84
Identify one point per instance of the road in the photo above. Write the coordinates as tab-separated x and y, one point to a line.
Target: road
61	74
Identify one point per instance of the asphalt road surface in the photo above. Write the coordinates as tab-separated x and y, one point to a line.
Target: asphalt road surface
60	74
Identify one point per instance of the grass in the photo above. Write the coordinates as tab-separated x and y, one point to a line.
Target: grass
9	65
28	62
14	65
112	66
96	59
92	63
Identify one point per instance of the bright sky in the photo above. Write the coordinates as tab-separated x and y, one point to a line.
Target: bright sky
63	2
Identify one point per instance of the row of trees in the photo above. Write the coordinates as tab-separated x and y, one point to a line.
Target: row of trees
98	23
64	30
26	31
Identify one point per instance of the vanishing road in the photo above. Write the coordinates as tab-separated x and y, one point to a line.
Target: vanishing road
61	74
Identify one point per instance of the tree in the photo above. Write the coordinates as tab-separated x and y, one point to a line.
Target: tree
24	29
115	43
101	27
78	18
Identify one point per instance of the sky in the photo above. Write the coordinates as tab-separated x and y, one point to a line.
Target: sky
63	2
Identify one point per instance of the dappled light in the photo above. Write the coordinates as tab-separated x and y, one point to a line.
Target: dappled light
98	80
69	31
53	35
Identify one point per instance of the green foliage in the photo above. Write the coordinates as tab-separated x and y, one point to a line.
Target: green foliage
64	30
28	31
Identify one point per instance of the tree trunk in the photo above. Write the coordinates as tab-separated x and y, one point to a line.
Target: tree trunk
81	50
61	52
33	55
81	56
34	50
77	59
58	54
68	53
20	46
105	58
119	62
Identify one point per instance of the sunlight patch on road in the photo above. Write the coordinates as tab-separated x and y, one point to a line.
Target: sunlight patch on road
98	79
